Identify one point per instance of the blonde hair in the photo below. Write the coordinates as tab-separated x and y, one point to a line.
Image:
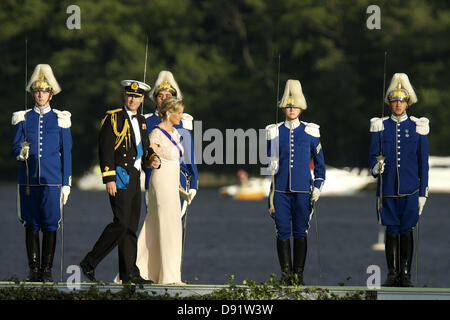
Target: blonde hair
170	104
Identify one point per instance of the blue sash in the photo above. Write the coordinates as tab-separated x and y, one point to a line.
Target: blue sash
171	139
140	152
122	178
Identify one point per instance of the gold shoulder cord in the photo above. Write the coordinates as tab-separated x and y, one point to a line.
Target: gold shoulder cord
124	134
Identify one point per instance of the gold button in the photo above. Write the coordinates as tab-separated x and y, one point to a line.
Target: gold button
126	164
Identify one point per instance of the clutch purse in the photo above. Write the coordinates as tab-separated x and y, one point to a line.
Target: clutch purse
184	195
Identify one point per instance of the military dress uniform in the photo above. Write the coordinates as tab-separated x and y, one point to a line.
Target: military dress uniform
45	173
403	141
188	167
291	146
124	148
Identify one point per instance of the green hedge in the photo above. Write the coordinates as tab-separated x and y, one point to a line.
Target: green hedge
249	290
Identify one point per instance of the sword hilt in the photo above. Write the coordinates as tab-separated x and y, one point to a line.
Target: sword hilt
188	182
380	160
27	144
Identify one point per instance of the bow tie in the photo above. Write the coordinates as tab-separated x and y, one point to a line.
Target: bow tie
133	116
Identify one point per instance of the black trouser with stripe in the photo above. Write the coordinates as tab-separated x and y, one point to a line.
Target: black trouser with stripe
126	207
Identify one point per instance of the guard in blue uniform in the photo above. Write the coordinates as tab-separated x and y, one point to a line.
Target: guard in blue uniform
292	145
166	86
124	150
43	147
399	158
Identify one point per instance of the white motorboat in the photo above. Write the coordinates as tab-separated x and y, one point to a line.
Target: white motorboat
339	182
439	174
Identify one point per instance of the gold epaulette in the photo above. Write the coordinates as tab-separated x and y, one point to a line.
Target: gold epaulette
107	113
114	111
120	136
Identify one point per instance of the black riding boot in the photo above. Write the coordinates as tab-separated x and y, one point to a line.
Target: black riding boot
406	255
300	249
284	257
33	254
48	252
392	259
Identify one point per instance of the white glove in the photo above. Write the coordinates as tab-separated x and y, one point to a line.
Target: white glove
377	170
24	152
192	193
65	191
422	201
315	194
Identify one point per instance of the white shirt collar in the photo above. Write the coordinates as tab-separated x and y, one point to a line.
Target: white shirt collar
130	113
42	110
292	125
401	118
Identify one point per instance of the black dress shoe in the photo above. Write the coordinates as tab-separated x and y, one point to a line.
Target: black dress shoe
137	280
392	280
34	275
47	275
88	271
405	281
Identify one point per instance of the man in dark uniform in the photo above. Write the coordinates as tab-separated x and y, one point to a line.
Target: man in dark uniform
124	148
399	153
42	145
291	146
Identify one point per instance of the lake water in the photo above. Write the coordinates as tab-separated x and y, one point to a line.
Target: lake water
228	237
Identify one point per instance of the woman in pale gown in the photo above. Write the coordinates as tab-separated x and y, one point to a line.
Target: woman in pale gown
160	239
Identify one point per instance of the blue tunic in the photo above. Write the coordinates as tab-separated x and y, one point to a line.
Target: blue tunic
50	155
294	146
405	147
404	144
296	149
49	165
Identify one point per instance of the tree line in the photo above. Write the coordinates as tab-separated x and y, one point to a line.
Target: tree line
224	56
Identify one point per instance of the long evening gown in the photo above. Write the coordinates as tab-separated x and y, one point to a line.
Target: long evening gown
160	239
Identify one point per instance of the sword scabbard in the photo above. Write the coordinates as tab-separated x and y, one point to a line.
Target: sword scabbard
380	161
